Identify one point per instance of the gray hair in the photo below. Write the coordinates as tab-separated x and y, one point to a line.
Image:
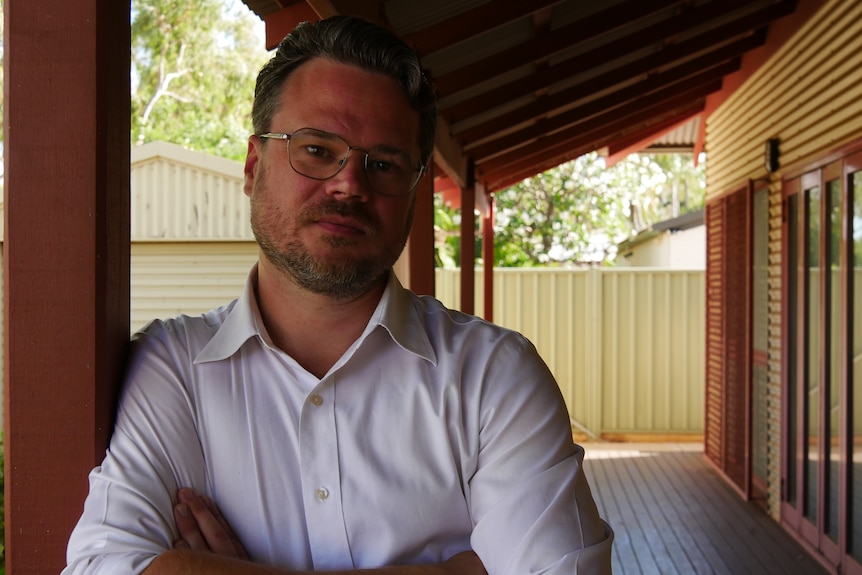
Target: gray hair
348	40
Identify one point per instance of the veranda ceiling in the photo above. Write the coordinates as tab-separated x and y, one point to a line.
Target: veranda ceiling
527	85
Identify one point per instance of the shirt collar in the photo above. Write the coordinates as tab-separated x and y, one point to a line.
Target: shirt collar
399	314
396	312
243	322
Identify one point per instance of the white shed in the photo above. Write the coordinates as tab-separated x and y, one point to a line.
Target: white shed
677	243
192	245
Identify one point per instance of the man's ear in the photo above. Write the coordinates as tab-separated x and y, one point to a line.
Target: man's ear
251	163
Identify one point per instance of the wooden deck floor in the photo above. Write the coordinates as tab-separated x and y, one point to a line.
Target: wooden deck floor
673	514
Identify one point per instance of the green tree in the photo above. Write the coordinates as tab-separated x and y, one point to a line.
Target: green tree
193	69
679	190
447	234
578	212
559	216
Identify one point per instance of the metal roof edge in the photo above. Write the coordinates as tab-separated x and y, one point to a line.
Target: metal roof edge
176	153
679	223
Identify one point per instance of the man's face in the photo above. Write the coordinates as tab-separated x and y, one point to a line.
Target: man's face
335	237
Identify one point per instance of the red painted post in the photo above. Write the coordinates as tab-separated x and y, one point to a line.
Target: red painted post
66	261
468	248
421	244
488	257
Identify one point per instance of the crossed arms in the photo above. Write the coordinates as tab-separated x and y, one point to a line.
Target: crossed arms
207	544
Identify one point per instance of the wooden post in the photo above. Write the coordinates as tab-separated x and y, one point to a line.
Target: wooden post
66	261
468	242
420	248
488	257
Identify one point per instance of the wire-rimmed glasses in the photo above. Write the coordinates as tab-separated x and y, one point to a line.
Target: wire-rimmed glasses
321	155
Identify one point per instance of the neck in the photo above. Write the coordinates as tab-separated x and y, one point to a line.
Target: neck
312	328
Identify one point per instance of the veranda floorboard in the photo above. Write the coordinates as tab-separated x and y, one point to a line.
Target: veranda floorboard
673	515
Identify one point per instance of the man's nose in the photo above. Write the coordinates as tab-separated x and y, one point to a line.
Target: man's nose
351	181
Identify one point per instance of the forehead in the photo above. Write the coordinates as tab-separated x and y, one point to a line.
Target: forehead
366	108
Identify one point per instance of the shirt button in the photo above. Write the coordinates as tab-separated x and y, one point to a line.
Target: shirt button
316	400
322	493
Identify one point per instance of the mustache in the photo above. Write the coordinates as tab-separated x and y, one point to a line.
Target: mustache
330	207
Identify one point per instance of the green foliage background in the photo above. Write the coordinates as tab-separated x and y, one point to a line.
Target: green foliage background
193	67
577	214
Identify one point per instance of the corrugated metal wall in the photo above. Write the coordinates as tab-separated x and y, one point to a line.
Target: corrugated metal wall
809	96
186	277
626	345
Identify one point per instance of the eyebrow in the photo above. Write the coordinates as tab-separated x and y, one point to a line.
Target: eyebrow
393	150
382	148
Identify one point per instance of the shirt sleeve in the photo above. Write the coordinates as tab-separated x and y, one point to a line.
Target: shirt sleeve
529	497
128	514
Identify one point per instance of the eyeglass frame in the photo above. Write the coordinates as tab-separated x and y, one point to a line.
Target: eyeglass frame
285	137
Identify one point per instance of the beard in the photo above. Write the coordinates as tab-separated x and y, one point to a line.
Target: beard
339	278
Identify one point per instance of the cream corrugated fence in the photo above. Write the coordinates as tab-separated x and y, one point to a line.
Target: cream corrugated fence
626	345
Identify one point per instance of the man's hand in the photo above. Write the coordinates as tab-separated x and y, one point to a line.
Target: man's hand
466	563
203	528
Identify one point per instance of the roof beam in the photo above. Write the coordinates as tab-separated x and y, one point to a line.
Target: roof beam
516	172
323	8
471	23
449	156
550	153
596	111
591	27
616	121
573	66
279	24
715	63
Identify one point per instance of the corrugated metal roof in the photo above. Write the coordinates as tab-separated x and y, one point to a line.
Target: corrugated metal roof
179	194
681	139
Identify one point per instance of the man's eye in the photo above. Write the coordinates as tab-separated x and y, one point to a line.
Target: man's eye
388	167
317	151
382	166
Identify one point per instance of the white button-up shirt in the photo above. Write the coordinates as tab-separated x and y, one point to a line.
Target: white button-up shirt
435	432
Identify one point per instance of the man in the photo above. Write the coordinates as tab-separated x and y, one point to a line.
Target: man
329	419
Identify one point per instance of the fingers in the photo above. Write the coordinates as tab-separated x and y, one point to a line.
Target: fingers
203	528
190	535
234	540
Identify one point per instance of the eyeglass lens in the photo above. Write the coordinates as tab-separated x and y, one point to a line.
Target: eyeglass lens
321	155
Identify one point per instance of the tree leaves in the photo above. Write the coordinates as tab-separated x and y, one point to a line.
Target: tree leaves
193	67
577	213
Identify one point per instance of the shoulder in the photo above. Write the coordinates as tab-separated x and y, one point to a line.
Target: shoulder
170	346
446	325
160	370
484	357
183	331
